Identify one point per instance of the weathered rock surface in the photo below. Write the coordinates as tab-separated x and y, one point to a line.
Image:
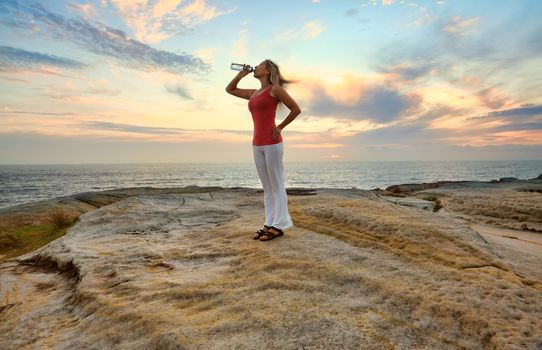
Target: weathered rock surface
181	271
502	183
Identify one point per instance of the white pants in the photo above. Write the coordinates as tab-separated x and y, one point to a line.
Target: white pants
268	160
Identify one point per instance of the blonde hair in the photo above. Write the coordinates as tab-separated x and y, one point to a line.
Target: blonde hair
275	77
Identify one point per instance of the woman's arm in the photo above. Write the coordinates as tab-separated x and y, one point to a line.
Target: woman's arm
281	95
232	86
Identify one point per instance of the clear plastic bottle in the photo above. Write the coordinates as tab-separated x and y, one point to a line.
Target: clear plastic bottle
240	66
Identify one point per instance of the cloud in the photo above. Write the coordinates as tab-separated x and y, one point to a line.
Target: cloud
240	45
79	125
383	2
407	96
424	17
514	126
421	13
352	12
317	145
102	90
492	98
481	131
167	133
522	111
501	127
535	126
8	110
86	10
408	70
152	130
207	54
312	29
69	96
377	102
403	134
460	27
198	11
94	124
36	148
99	39
514	119
14	59
309	31
178	90
154	21
497	137
491	63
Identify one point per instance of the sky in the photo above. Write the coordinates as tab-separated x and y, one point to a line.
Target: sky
122	81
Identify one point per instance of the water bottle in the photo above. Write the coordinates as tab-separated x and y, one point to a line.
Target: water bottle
240	67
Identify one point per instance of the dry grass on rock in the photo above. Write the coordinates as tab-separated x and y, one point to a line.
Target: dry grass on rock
356	272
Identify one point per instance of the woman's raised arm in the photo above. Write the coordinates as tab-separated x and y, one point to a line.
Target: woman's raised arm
232	88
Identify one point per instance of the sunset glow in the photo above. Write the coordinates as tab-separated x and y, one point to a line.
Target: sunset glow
376	80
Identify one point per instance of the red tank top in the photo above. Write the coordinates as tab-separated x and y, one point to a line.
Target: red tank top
263	108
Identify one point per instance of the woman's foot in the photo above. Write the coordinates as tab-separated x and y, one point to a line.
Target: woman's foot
261	232
272	232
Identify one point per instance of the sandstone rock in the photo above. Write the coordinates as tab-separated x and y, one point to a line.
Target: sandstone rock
181	271
508	179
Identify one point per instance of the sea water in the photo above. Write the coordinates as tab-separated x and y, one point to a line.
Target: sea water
28	183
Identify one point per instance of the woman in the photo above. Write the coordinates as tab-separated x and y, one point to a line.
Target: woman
267	143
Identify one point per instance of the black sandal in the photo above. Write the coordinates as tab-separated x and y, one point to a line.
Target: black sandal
270	235
260	232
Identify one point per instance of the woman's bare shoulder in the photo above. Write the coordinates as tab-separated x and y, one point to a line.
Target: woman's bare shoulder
276	89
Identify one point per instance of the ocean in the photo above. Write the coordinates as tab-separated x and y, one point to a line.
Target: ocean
28	183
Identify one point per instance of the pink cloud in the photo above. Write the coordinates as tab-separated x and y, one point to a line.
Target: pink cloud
461	27
153	22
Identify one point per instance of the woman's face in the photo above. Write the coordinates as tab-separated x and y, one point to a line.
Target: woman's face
260	70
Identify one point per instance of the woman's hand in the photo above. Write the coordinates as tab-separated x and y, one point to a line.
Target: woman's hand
245	71
276	132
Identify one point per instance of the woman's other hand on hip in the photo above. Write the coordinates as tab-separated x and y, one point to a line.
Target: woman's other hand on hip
276	132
